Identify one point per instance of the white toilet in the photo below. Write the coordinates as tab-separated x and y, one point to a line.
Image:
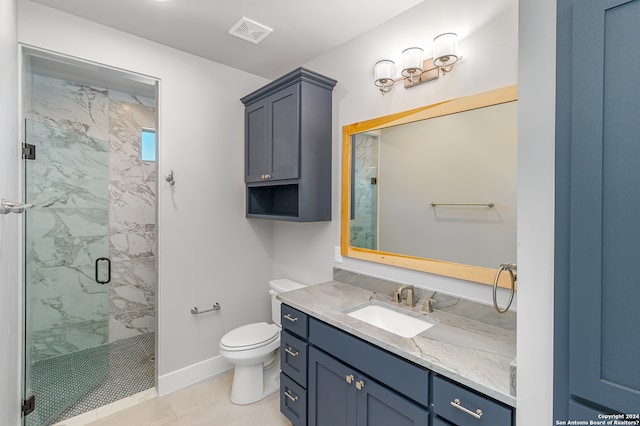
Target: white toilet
255	351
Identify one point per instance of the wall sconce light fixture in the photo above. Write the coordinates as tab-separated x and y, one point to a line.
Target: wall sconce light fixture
445	51
415	69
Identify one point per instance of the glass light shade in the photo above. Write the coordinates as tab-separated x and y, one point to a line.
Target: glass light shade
383	73
412	61
445	50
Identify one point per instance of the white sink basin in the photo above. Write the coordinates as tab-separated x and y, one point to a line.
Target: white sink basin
390	320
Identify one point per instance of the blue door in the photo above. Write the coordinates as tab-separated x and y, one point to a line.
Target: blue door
598	208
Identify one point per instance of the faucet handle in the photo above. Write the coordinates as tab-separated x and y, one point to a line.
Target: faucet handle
427	308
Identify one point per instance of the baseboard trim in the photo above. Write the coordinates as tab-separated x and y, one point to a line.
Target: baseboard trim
191	374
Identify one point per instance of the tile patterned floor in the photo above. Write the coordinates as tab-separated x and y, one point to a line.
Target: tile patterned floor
126	365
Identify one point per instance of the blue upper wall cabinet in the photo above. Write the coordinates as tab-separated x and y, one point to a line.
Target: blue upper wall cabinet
288	148
597	284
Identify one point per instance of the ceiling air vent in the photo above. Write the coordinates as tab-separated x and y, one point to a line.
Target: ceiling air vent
249	30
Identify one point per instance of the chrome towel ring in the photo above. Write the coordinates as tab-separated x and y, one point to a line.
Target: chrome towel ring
510	267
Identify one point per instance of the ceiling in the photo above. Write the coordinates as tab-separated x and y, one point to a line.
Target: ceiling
302	29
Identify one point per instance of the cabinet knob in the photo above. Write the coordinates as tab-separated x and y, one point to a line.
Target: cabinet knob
359	384
349	378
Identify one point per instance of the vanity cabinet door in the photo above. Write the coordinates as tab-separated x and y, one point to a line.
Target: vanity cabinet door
378	406
332	392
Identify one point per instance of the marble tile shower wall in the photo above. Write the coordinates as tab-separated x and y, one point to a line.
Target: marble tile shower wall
363	225
104	125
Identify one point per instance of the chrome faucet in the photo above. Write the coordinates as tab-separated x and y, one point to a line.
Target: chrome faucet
398	296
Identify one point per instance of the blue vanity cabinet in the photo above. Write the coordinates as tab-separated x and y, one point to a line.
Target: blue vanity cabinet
293	363
332	378
288	148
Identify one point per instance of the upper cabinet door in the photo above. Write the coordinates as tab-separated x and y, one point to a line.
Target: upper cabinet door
604	262
272	137
285	134
256	147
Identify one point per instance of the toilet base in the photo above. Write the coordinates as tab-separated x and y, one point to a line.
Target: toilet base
251	383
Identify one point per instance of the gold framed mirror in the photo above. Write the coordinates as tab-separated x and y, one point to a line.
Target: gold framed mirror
492	218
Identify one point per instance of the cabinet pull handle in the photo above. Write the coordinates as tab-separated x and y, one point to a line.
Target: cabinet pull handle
290	318
292	397
456	403
359	384
349	378
290	351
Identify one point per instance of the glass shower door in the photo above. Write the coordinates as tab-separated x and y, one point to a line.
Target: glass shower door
67	268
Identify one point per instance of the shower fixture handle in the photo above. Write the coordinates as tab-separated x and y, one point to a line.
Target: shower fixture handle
169	178
7	207
98	280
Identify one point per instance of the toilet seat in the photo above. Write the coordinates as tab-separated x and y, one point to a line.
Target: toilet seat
250	336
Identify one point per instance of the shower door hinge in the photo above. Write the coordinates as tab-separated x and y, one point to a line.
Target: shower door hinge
28	151
28	405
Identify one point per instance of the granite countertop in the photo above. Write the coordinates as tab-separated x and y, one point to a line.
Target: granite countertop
463	346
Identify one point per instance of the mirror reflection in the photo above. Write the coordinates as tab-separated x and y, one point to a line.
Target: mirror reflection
464	164
435	189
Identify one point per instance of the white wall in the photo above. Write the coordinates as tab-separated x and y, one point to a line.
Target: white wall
306	252
9	225
208	252
536	163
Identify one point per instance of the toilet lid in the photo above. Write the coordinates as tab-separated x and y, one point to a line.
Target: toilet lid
250	335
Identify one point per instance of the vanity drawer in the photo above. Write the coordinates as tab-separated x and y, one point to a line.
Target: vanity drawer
294	321
395	372
293	401
459	405
293	357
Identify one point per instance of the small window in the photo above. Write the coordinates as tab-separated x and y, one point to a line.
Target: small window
148	145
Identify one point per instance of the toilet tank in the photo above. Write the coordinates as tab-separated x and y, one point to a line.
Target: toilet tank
280	286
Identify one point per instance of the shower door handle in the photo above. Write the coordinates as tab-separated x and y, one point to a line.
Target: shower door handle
98	260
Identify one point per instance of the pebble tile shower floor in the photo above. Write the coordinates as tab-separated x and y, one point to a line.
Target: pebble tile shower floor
131	369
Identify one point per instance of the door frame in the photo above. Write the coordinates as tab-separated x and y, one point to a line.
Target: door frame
24	51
